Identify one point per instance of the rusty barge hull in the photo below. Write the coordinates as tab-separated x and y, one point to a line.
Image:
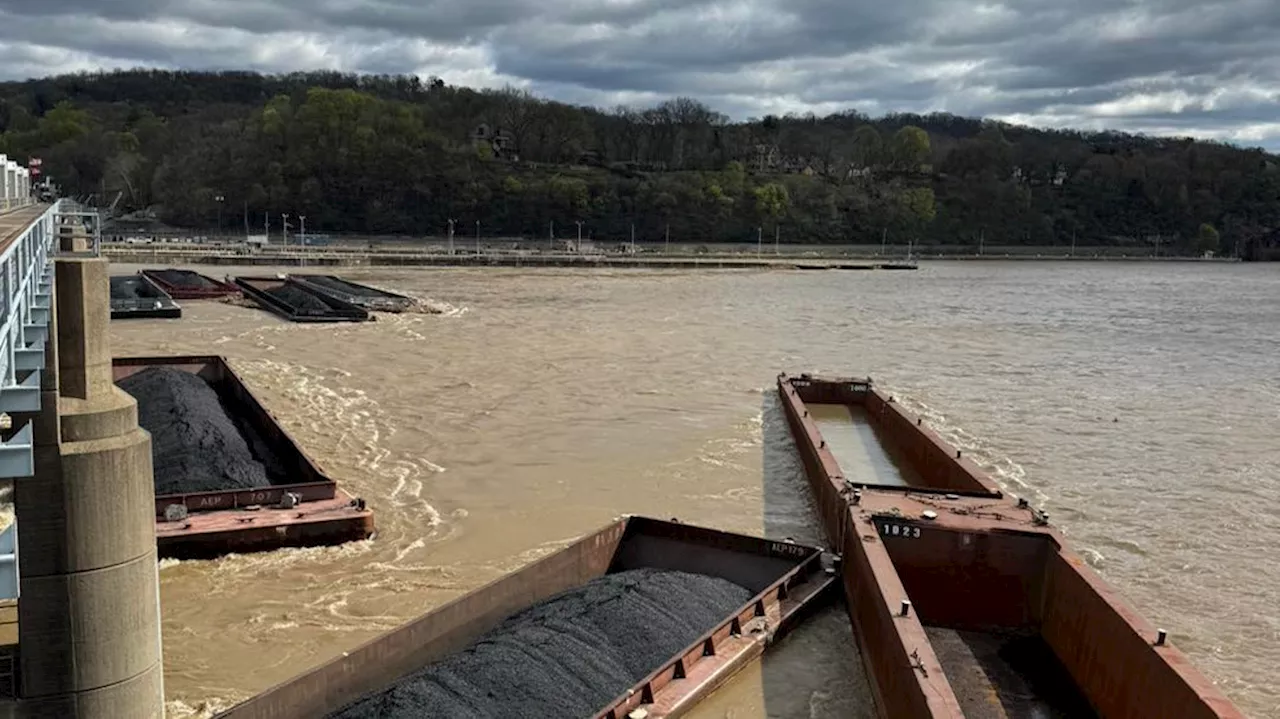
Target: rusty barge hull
964	601
189	285
788	580
209	524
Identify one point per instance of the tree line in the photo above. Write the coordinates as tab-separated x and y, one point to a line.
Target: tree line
405	155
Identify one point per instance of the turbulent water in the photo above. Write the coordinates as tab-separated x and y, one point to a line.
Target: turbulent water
1139	403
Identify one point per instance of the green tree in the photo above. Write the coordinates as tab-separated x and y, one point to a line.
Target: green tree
1208	239
910	147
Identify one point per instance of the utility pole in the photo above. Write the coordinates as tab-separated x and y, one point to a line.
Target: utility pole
1073	243
219	200
477	238
884	239
667	250
982	242
551	236
451	236
285	228
579	223
633	238
246	218
777	233
759	240
266	226
302	221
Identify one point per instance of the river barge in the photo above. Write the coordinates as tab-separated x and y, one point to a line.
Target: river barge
305	509
369	298
786	579
189	285
274	295
966	602
137	297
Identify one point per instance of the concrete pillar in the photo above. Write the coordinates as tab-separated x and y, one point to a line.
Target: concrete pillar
89	613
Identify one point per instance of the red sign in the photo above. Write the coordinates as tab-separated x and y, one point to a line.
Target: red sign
34	164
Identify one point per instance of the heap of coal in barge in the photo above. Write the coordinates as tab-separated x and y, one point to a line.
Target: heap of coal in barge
186	280
195	444
297	297
567	656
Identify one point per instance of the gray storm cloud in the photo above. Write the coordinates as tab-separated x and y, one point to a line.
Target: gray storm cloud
1209	69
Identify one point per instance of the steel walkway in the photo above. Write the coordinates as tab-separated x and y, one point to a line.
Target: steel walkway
28	244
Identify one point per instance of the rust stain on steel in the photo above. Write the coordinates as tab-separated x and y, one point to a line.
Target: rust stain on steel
980	560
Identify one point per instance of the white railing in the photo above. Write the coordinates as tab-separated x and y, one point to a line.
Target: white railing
9	203
26	296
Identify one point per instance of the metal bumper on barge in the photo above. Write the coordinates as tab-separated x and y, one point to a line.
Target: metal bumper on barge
965	603
306	509
786	579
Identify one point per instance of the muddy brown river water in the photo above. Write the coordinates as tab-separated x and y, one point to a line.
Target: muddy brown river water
1139	403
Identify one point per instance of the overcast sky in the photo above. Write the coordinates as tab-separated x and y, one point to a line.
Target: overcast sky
1208	68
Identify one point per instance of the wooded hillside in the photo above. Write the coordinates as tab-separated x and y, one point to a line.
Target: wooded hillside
404	155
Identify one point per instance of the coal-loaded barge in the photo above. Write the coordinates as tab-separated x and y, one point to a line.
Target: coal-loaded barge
965	602
188	285
228	477
299	302
641	618
137	297
364	296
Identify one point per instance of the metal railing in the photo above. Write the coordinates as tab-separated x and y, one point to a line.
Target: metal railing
26	299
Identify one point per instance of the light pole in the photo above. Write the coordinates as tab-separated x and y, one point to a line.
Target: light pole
667	248
759	241
302	222
477	238
633	238
579	223
219	200
776	234
451	221
285	228
551	236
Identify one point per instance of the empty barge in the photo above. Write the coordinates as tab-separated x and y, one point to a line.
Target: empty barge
305	509
136	297
189	285
369	298
785	580
964	601
297	302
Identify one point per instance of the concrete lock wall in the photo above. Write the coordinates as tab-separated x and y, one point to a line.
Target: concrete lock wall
89	618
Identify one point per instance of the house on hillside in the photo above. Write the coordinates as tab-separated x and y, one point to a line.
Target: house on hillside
497	140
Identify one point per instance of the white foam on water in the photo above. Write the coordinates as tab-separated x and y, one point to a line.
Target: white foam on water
1007	473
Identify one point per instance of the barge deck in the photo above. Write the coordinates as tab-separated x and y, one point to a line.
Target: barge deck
964	601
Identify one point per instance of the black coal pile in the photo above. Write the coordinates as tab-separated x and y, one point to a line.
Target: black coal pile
195	445
567	656
299	298
189	280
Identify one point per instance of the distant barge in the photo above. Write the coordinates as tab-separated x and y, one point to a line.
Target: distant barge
965	603
786	579
298	302
364	296
309	510
137	297
188	285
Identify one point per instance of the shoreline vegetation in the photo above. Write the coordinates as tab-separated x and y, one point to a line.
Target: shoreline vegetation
404	155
